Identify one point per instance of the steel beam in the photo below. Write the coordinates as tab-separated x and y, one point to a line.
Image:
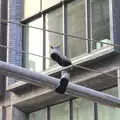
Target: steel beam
72	89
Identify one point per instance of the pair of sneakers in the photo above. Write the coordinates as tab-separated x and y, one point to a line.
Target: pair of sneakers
62	61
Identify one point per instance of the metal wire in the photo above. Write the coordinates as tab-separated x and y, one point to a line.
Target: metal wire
24	52
72	36
59	33
93	70
63	68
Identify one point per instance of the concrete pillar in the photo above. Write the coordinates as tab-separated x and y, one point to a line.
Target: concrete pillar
12	113
18	115
14	37
2	113
8	113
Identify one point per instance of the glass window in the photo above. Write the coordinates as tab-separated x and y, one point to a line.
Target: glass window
1	113
31	7
83	109
112	91
53	23
100	23
33	43
38	115
48	3
60	111
107	112
77	27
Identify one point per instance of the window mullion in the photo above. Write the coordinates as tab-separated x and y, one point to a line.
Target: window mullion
65	42
88	25
71	109
44	42
48	113
95	111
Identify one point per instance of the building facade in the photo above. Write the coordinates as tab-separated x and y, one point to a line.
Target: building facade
86	31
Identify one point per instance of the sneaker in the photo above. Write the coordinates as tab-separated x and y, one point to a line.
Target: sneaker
63	83
59	58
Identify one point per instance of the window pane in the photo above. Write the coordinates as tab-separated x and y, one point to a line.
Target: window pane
38	115
33	43
54	23
60	112
107	112
100	23
112	91
1	113
48	3
31	7
76	27
83	109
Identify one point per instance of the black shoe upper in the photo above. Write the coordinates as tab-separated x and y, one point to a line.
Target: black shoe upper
61	60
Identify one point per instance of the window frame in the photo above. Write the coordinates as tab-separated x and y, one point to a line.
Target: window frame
70	103
24	34
90	25
96	107
29	16
63	5
86	31
32	18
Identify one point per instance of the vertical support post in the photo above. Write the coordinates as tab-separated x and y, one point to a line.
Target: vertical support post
18	114
65	42
88	25
71	109
95	111
44	42
118	80
8	110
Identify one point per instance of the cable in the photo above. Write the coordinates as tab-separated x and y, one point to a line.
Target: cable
93	70
88	69
63	68
19	51
78	66
59	33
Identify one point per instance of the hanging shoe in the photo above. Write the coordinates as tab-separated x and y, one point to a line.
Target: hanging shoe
63	83
59	58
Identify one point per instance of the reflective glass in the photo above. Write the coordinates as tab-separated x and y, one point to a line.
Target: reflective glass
31	7
49	3
83	109
38	115
76	27
60	112
100	23
107	112
53	23
33	43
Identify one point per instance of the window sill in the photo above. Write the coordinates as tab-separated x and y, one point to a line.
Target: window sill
95	55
